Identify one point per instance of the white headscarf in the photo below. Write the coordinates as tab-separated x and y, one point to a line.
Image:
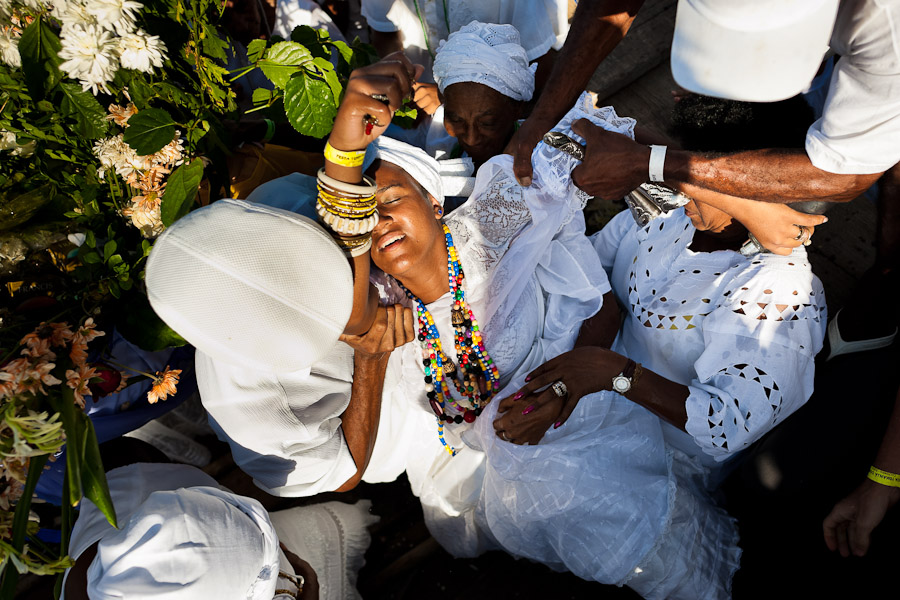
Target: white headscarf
189	543
488	54
251	285
414	161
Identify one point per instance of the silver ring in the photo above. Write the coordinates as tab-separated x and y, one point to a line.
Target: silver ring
802	231
504	436
559	388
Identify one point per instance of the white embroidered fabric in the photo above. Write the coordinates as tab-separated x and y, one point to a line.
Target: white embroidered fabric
741	333
597	496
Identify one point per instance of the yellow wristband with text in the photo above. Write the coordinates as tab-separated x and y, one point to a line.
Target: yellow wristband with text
884	477
345	159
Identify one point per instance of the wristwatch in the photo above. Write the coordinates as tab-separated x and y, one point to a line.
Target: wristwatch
622	382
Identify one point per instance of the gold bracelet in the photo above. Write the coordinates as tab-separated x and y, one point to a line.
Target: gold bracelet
884	477
344	158
361	203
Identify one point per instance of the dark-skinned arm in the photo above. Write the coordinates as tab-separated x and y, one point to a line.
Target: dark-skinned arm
602	328
392	328
597	27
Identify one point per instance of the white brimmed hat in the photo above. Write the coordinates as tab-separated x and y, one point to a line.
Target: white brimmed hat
251	285
750	50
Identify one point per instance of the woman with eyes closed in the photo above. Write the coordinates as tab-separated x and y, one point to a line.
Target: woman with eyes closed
499	286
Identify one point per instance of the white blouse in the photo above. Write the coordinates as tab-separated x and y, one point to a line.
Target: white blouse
741	333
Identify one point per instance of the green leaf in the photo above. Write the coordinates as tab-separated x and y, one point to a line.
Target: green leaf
314	40
108	249
91	258
93	477
181	189
282	61
140	91
39	48
20	522
146	246
308	104
139	324
90	239
149	131
345	50
90	118
326	70
19	209
262	96
45	106
405	117
255	50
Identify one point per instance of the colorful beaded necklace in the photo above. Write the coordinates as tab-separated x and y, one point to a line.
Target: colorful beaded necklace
470	350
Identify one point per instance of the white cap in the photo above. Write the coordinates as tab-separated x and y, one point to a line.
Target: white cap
750	50
251	285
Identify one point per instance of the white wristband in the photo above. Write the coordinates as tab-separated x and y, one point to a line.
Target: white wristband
657	163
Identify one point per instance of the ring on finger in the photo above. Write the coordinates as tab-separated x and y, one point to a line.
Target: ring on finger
504	436
802	232
559	388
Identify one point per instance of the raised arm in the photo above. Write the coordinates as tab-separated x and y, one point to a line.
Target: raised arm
597	27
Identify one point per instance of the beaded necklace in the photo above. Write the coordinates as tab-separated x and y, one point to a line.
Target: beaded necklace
470	351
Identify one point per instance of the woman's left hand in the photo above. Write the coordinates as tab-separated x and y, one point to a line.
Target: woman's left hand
303	569
524	417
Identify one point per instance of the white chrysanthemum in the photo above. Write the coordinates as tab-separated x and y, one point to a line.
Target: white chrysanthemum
73	12
90	56
9	48
115	14
144	213
171	154
7	140
141	52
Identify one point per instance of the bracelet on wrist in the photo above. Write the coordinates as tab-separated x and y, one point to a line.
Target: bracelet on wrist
367	188
344	158
354	246
884	477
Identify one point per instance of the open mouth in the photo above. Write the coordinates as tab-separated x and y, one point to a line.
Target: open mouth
390	241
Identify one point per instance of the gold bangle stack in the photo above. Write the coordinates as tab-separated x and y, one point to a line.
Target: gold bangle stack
349	211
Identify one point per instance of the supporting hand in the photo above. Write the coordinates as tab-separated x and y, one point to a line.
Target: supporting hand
849	525
393	327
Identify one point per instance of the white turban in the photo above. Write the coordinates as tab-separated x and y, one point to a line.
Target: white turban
411	159
251	285
199	542
488	54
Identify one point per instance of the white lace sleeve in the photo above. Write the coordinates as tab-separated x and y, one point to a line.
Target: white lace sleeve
758	366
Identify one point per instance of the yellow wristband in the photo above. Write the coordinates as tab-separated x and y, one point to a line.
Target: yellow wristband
345	159
884	478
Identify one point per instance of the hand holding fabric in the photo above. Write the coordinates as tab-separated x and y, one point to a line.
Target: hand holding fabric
613	165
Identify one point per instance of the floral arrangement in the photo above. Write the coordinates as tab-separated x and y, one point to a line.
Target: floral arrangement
112	121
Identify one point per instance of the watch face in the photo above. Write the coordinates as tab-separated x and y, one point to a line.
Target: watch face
621	384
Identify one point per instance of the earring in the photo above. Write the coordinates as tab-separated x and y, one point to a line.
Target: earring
440	212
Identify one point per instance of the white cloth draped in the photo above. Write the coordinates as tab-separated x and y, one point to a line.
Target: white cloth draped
599	496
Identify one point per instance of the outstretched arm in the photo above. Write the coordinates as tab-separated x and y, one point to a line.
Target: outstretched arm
597	27
848	527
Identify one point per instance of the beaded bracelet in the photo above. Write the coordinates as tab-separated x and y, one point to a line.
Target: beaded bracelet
343	157
884	477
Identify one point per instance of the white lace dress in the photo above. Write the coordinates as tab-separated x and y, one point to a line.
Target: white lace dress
596	496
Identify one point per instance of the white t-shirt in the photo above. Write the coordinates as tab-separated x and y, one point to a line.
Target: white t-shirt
859	131
541	23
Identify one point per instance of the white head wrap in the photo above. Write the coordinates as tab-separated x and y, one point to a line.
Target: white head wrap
251	285
190	543
488	54
414	161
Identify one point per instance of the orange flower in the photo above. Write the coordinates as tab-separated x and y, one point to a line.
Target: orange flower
60	334
78	353
121	114
163	384
37	347
79	380
87	332
31	378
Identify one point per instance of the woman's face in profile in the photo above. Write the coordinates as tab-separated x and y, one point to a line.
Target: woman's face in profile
480	118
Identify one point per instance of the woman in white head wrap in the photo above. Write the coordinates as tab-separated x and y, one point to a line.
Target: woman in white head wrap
485	81
598	496
182	536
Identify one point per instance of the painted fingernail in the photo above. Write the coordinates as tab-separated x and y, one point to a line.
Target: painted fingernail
557	425
519	395
528	378
528	410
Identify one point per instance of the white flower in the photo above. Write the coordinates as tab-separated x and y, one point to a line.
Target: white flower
9	48
141	52
115	14
90	56
7	140
72	12
145	215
